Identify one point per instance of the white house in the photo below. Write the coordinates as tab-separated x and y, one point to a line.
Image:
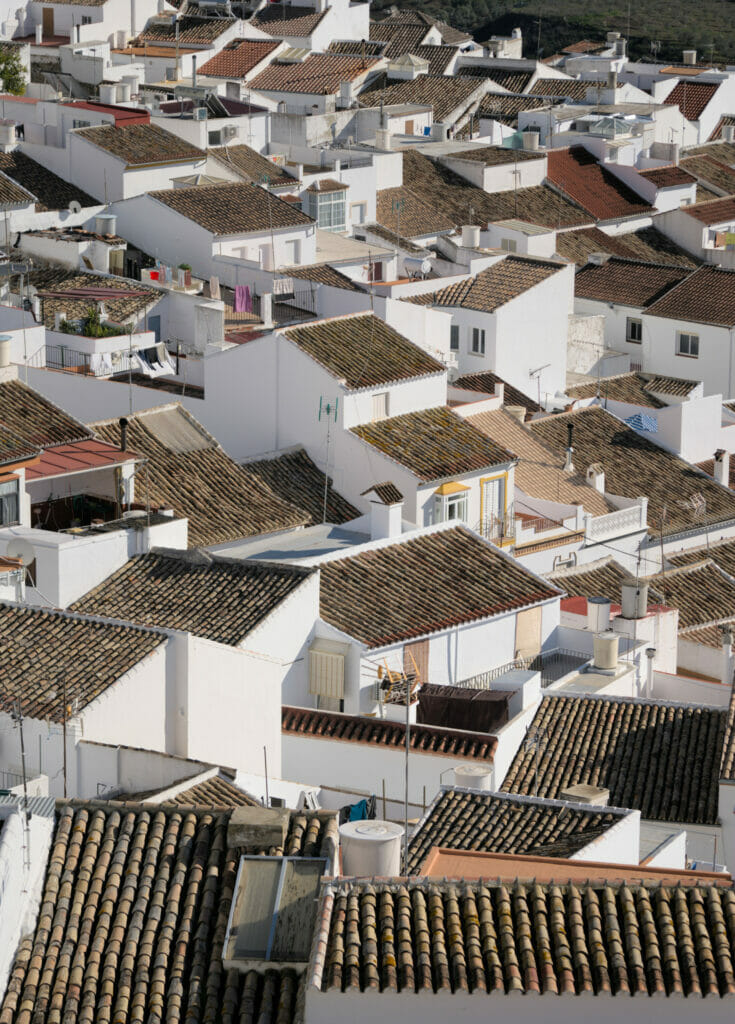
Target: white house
319	84
313	24
111	20
706	230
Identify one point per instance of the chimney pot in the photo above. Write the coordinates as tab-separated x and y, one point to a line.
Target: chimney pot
123	434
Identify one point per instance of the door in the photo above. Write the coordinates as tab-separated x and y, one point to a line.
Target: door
416	660
528	633
409	127
493	507
48	22
154	324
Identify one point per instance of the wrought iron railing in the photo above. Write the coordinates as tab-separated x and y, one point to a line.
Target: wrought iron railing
553	665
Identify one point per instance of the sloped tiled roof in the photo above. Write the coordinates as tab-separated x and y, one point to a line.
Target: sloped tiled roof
714	211
433	443
494	156
232	209
445	95
191	29
13	194
567	88
722	151
668	177
218	792
323	273
711	171
417	217
439	57
692	97
38	647
297	481
659	758
493	823
597	190
141	144
386	492
401	38
706	296
726	121
627	282
238	58
493	287
634	465
447	578
222	500
504	107
284	20
252	166
220	599
320	73
412	16
488	940
722	552
377	732
647	244
703	593
132	921
635	388
362	350
539	472
51	191
486	381
603	578
33	420
513	81
59	287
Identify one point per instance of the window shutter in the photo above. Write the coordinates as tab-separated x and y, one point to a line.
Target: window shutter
327	674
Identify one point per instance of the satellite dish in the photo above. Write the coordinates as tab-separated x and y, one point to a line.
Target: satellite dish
19	548
75	206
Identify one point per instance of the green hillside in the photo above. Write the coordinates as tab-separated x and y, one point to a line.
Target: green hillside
705	25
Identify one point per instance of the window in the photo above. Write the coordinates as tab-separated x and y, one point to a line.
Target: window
292	252
380	406
9	503
454	338
86	20
508	244
81	124
375	271
214	138
448	507
358	213
478	341
409	128
687	345
634	330
329	209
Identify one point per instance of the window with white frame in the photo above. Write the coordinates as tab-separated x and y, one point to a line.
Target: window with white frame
86	19
687	345
9	502
448	507
380	406
358	213
454	338
478	341
329	209
292	252
634	330
508	244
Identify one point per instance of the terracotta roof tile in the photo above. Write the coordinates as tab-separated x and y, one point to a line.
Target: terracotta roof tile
711	172
720	551
323	273
647	244
282	20
217	598
357	47
417	216
445	95
433	443
567	88
668	177
490	822
386	492
485	382
634	465
706	296
296	480
539	472
51	191
424	739
320	73
635	388
727	765
597	190
191	29
714	211
513	81
439	57
33	420
406	16
197	478
232	209
447	577
139	899
141	144
495	156
722	151
661	759
362	350
59	287
489	939
252	166
238	58
37	647
692	97
401	38
13	194
628	282
497	285
215	793
506	107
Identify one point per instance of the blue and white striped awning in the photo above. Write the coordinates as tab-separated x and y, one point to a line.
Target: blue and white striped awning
643	422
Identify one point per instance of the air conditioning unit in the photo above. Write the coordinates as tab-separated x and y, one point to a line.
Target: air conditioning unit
230	131
200	113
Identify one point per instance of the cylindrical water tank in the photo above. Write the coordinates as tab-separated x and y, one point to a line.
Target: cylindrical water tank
371	848
416	266
5	340
108	92
598	614
530	141
605	648
473	776
471	236
634	600
105	223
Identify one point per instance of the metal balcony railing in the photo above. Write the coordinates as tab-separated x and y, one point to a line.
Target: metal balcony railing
553	665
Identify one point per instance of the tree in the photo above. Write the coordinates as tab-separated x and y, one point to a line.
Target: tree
12	72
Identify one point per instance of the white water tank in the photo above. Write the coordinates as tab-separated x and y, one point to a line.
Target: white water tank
470	236
689	56
5	340
126	90
416	266
473	776
108	92
105	224
634	600
383	139
530	141
598	614
439	132
371	848
605	648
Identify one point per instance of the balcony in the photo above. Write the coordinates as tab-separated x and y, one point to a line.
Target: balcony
620	523
553	666
497	528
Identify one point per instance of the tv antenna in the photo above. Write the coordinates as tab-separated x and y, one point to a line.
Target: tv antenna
328	410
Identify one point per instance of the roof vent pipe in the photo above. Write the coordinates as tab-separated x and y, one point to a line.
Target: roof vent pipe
123	434
193	70
722	467
568	464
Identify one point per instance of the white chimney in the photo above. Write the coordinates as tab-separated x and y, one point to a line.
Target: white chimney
727	659
470	236
39	34
728	133
596	477
689	57
383	140
386	511
5	340
612	79
598	614
722	467
650	654
518	412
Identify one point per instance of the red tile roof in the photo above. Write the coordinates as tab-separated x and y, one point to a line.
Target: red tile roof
628	282
577	173
123	116
692	97
239	58
321	74
77	457
667	177
707	296
424	739
716	211
284	21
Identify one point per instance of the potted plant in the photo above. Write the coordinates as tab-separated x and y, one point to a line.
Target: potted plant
186	267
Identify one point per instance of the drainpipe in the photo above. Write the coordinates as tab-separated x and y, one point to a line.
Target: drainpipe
650	654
